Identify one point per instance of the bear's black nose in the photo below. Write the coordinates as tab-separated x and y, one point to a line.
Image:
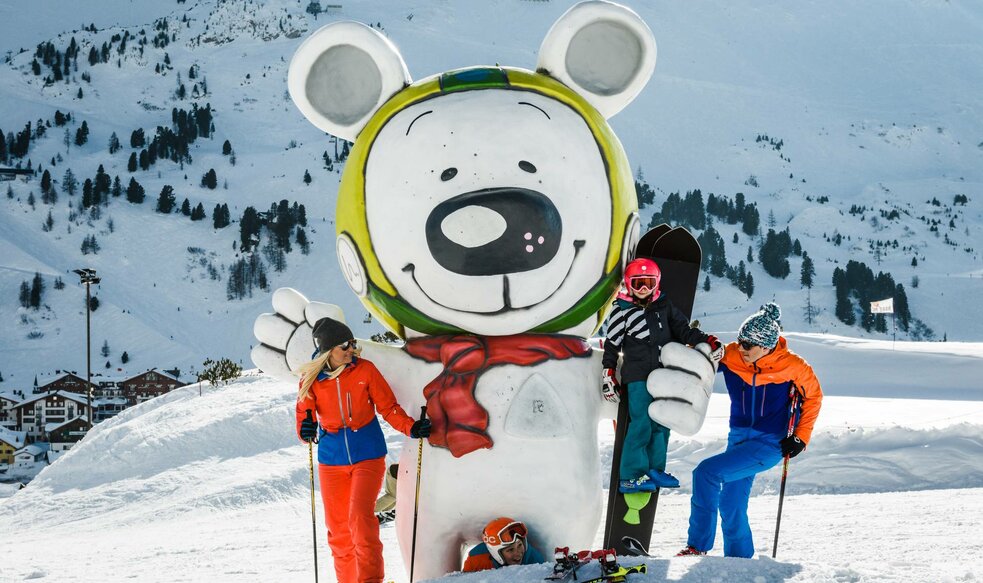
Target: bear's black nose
530	238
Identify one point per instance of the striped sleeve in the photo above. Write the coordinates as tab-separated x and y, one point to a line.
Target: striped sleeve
616	327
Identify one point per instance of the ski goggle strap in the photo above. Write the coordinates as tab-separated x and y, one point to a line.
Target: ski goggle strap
507	535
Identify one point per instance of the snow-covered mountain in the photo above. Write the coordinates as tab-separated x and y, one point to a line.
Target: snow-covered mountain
875	105
215	487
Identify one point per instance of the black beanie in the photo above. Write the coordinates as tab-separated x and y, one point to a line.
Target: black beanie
329	333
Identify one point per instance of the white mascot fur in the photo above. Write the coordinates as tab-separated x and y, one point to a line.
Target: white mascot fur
484	216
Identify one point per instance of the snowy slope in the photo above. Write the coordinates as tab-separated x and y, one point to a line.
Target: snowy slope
215	487
877	103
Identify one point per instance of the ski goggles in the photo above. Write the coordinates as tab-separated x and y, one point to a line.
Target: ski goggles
509	534
643	283
347	345
747	345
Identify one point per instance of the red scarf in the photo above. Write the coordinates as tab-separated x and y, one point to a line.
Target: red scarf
459	422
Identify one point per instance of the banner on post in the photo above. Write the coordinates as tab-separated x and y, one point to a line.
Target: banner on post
882	306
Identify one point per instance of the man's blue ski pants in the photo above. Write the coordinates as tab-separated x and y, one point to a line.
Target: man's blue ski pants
723	483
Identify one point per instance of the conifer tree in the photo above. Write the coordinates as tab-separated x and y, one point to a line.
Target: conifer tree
135	192
249	227
45	182
166	200
302	242
198	213
210	179
25	295
37	291
82	134
88	199
807	272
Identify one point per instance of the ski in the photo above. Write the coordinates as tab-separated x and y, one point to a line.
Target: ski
633	547
619	575
678	255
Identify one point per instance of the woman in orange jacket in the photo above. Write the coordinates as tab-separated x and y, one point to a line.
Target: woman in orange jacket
337	403
762	376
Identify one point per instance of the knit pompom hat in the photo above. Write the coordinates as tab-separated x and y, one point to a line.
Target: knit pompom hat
329	333
763	327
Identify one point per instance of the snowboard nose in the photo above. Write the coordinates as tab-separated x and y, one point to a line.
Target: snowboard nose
494	231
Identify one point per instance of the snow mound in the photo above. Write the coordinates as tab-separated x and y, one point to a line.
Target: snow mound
177	453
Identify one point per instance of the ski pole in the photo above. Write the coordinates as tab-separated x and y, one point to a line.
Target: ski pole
310	465
416	500
781	495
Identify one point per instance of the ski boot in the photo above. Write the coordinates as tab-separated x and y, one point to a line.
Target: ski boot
642	484
690	551
663	479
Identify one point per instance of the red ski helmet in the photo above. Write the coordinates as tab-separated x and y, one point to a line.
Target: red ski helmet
641	274
501	533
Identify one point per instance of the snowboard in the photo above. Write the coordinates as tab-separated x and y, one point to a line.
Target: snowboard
678	255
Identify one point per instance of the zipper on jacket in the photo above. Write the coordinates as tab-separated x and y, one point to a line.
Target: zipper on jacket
341	413
764	395
754	383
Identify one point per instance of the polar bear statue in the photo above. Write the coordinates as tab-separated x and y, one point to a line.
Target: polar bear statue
484	216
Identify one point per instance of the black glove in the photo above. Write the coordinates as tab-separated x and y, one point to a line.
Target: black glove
308	430
792	446
420	429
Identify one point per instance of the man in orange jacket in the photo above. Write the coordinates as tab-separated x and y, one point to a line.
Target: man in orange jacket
762	375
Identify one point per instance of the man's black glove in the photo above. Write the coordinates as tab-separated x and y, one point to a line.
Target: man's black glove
792	446
420	429
308	429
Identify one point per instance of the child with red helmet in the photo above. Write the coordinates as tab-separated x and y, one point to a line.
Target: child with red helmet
641	322
504	542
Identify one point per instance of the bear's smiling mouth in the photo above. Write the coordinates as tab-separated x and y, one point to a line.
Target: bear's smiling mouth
506	299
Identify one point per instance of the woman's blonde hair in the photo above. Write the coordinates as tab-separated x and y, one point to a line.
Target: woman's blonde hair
309	372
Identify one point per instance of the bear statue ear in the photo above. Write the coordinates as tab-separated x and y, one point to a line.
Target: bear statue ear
602	50
342	74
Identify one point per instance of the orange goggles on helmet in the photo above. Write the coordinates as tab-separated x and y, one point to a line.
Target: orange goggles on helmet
507	535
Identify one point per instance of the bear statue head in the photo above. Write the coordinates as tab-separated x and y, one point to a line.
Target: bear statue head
489	200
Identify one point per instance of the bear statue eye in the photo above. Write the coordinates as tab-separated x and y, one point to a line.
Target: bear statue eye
448	174
527	166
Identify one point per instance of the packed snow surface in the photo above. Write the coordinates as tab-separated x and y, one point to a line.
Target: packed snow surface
215	487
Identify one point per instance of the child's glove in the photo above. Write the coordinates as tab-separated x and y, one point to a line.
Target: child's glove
609	386
716	350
